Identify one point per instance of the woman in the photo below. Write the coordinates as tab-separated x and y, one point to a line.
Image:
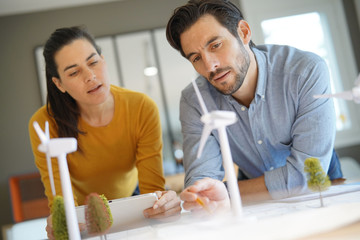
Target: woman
118	130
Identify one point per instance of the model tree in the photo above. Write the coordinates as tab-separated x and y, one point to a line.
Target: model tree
106	202
59	219
98	216
318	180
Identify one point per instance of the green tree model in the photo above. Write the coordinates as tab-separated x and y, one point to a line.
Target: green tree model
106	202
59	219
318	180
97	215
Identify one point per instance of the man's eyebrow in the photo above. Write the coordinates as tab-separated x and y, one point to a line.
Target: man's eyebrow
74	65
207	44
189	55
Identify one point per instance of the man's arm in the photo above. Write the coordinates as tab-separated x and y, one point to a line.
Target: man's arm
210	162
253	190
312	132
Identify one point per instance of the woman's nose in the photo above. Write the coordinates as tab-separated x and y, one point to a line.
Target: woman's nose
89	75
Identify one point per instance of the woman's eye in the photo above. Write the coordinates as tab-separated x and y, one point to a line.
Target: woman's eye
73	74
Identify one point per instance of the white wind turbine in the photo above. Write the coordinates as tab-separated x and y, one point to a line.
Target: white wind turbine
59	147
45	138
353	94
219	120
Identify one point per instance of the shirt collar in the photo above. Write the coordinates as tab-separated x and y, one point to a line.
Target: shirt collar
262	74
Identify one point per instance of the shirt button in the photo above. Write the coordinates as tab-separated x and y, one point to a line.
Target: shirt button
260	142
272	168
243	108
262	96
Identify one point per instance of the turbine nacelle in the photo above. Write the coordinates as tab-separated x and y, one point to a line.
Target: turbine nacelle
214	120
57	146
219	118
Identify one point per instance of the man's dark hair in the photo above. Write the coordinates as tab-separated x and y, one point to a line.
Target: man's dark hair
225	12
61	106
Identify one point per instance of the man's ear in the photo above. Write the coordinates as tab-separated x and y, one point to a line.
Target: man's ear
57	83
244	31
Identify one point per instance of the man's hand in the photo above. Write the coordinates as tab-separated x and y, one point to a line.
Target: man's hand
211	192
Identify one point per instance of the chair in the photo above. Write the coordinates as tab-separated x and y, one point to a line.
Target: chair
28	198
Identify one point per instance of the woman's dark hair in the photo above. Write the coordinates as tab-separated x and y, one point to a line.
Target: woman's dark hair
225	12
61	106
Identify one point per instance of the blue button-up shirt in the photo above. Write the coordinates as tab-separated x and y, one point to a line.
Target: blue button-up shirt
283	125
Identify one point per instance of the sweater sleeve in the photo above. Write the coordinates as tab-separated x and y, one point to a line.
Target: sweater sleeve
149	148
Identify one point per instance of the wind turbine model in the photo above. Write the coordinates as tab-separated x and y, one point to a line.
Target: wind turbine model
45	140
59	147
354	94
219	120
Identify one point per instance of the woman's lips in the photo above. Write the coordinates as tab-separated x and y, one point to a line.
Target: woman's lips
94	89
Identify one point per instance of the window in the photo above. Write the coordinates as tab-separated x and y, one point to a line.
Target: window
316	26
282	31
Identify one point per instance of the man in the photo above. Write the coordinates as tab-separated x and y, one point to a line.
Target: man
270	88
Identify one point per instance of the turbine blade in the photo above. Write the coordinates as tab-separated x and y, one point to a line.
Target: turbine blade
345	95
39	132
204	136
357	81
47	133
201	100
48	160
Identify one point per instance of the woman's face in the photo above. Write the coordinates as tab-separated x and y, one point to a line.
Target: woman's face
82	72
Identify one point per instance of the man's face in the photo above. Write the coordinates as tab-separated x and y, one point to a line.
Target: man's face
216	54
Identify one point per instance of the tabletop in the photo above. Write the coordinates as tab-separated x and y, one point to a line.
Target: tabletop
298	217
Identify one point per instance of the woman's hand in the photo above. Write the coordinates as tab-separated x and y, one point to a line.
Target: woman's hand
167	207
49	229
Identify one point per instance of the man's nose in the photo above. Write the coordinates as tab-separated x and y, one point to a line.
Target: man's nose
211	63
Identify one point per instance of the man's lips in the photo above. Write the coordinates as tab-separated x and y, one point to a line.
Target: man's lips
221	76
94	89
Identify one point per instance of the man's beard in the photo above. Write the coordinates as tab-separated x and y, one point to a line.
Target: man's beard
229	89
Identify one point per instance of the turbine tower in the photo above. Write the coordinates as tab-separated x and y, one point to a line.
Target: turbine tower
219	120
59	147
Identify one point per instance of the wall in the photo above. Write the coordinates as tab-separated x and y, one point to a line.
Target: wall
353	151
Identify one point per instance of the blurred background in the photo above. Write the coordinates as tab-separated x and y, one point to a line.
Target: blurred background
132	36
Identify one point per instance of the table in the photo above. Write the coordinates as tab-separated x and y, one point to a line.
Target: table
292	218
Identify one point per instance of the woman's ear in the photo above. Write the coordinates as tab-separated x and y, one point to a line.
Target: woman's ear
57	83
244	31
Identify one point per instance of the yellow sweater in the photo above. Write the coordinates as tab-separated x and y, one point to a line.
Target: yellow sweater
115	157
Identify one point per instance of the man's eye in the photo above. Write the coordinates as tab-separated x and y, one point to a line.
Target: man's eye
195	59
217	45
94	62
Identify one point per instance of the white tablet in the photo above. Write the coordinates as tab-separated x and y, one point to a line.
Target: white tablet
127	212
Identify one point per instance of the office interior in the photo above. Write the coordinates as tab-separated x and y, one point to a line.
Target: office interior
23	33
